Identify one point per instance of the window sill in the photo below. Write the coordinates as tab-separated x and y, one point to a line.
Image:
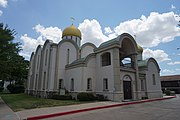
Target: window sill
106	90
88	90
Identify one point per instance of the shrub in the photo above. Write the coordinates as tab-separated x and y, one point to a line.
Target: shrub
1	89
143	98
62	97
167	92
15	88
101	97
85	97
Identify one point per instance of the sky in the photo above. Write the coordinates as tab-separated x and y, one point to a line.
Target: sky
153	23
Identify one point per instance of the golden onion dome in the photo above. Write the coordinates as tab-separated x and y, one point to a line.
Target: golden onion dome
71	31
139	49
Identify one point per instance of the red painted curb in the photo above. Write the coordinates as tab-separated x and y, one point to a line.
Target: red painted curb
94	108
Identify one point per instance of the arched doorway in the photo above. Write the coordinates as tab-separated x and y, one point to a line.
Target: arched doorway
127	89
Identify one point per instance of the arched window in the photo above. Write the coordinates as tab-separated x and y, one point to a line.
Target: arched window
61	84
72	84
106	59
89	84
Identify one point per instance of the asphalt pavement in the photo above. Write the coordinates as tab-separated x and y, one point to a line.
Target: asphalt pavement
157	110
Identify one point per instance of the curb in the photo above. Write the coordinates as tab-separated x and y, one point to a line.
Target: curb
95	108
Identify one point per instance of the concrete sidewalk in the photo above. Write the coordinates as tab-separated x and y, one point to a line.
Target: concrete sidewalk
6	113
42	113
51	110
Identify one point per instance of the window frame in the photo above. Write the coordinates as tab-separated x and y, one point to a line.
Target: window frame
106	59
154	79
105	84
72	84
89	84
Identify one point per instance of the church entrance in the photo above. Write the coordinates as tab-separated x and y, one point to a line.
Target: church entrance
127	89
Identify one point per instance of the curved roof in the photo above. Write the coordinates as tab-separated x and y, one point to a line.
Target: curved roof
144	63
81	60
139	49
119	41
70	41
88	44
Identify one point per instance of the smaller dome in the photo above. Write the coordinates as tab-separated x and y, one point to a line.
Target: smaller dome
140	49
71	31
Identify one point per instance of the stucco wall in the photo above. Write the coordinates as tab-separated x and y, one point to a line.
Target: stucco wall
62	57
153	90
86	50
76	74
52	83
45	68
37	67
89	72
104	72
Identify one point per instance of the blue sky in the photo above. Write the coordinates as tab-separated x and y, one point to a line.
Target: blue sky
154	22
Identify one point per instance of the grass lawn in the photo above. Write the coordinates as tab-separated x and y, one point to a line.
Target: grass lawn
22	101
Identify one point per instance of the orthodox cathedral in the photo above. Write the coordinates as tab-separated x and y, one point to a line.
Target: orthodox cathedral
115	69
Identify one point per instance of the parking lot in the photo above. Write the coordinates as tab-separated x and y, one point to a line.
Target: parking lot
158	110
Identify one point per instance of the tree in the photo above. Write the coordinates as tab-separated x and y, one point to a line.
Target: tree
12	65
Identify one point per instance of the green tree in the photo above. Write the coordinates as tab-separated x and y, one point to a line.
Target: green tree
12	65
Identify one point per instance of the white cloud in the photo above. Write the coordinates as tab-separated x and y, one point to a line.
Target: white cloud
173	7
52	33
152	30
29	45
159	55
174	63
167	71
177	69
92	32
107	30
1	12
3	3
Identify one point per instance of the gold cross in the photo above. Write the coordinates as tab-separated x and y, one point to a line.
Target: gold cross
72	19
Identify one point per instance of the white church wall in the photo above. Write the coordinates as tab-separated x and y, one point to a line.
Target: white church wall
31	73
45	66
77	75
37	67
104	72
52	85
154	90
63	58
86	50
90	72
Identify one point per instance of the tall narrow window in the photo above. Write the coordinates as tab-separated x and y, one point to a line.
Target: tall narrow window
68	56
142	85
61	84
44	81
154	79
105	84
38	62
72	84
106	59
89	84
46	57
36	81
